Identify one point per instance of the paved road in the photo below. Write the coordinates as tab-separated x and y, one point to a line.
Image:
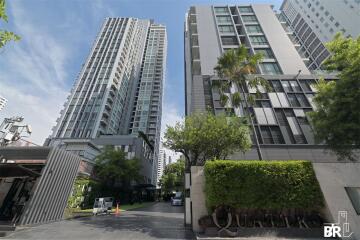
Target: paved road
158	221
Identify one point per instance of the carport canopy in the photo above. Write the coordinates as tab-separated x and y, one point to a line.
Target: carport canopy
13	170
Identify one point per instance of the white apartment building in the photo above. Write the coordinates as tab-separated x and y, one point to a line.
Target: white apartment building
3	102
315	22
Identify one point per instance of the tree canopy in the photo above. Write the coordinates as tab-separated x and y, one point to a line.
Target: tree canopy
5	36
173	177
204	136
113	167
336	120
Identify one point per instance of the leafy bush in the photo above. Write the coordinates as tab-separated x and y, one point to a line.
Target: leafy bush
262	185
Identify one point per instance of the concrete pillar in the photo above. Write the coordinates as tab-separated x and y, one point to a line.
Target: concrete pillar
197	195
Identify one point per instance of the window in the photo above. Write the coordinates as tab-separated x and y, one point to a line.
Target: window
277	136
295	86
226	29
224	19
354	195
266	52
337	24
253	29
258	40
266	135
326	13
276	86
229	40
270	68
302	100
245	9
250	18
221	10
331	18
293	101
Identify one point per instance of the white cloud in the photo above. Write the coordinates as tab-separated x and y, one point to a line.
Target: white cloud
33	75
170	115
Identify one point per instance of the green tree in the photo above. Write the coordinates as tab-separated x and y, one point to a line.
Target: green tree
336	119
5	36
112	167
173	177
237	68
204	136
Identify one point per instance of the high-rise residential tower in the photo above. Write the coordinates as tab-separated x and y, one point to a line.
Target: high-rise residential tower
281	122
161	164
119	89
315	22
2	102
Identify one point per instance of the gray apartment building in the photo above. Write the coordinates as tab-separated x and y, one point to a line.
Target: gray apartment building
280	116
281	123
312	23
118	90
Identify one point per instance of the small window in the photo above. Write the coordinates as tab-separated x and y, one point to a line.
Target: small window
221	10
254	29
250	18
276	86
266	52
270	68
245	9
226	29
229	41
258	40
223	19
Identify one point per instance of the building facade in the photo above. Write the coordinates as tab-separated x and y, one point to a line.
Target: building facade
280	120
119	89
312	23
161	165
2	102
281	123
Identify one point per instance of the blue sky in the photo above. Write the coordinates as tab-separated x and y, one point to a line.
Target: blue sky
37	73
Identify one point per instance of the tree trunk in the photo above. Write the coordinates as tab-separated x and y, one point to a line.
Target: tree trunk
252	125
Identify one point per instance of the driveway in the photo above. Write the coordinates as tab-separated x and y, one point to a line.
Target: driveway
158	221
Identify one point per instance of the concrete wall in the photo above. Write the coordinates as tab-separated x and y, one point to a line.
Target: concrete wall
333	178
197	196
208	40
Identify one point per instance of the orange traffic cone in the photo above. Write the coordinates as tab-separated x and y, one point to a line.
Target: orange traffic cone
117	212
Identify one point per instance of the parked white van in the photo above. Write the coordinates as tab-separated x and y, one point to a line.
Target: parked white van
103	205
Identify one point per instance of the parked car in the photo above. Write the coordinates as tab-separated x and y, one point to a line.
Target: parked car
102	205
177	200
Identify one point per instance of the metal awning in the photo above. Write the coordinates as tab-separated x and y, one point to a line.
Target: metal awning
15	170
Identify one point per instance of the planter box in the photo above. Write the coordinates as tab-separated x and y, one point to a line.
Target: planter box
269	232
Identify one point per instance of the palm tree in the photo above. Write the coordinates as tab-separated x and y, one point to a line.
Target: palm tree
236	69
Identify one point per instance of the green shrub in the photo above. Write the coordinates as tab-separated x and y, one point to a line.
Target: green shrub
262	185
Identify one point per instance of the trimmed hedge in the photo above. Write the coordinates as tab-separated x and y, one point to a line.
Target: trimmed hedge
262	185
